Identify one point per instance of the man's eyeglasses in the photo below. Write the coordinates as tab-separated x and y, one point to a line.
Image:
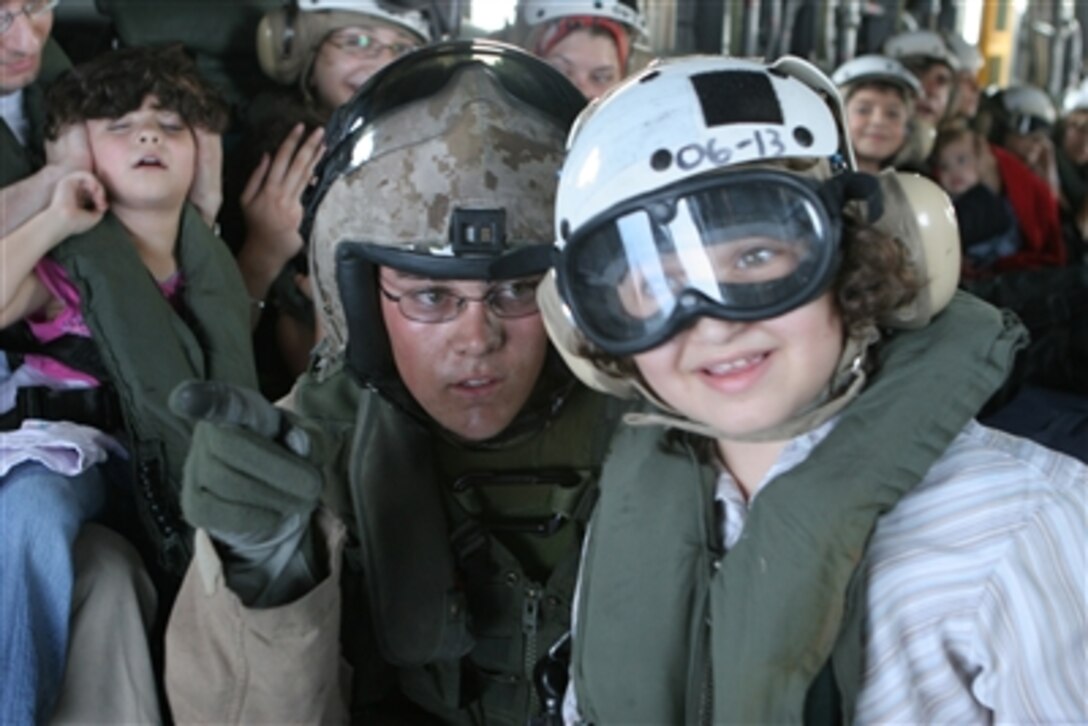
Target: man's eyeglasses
30	9
361	45
437	304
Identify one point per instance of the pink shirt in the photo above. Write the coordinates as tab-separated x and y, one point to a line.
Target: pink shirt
69	321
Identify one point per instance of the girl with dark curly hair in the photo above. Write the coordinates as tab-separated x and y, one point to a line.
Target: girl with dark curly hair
124	293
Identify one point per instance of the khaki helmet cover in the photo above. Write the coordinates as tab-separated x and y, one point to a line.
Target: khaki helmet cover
437	167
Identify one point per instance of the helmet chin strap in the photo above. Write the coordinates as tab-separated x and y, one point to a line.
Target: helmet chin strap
845	385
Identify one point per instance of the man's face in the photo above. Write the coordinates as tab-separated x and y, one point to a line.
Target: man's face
472	374
21	45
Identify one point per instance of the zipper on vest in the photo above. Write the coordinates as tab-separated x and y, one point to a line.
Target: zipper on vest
530	618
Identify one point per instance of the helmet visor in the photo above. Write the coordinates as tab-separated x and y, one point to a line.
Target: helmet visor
748	247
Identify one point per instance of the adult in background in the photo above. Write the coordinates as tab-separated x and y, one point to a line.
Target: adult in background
926	55
589	41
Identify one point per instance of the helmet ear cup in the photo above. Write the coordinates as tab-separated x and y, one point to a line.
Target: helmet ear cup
920	215
280	52
569	341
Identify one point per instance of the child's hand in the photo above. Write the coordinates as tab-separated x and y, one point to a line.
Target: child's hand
206	194
71	151
79	201
272	198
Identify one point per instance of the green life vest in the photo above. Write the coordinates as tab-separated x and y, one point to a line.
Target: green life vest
148	348
670	629
462	560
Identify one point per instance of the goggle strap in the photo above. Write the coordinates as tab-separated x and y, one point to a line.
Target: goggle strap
852	186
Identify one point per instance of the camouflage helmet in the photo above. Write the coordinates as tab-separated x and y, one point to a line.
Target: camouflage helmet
443	165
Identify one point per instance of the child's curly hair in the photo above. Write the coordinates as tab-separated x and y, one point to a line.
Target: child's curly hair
116	83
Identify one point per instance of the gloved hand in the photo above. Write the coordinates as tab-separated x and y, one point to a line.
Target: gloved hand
249	467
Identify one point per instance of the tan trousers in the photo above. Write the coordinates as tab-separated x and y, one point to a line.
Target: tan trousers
109	677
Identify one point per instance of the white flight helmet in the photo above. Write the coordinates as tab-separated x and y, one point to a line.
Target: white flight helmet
1075	98
1029	108
652	134
921	44
646	215
536	12
409	20
968	55
876	69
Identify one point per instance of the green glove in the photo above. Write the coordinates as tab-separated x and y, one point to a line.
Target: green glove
249	465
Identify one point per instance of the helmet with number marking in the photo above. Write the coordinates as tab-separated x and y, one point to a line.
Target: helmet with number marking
642	173
718	187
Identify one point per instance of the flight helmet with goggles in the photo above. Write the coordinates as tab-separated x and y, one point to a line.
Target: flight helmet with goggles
442	165
678	238
677	200
1025	109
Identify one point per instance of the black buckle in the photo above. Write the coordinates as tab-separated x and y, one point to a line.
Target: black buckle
478	232
541	526
565	478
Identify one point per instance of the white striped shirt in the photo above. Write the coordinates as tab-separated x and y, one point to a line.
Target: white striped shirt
977	586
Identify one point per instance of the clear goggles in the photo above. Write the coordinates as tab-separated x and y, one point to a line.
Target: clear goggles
741	246
1025	124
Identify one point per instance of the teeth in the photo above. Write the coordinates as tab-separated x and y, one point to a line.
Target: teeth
722	368
475	383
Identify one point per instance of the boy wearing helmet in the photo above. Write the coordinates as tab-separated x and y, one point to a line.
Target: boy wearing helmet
821	532
879	95
590	42
454	453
